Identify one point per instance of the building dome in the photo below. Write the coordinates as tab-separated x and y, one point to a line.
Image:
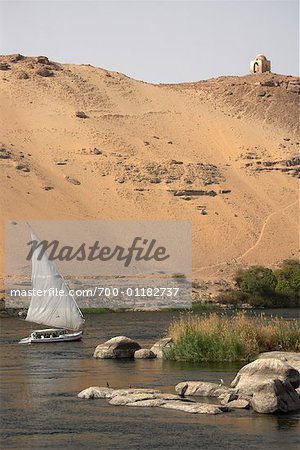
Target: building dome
261	57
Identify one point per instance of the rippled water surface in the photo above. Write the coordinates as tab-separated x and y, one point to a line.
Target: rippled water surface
40	408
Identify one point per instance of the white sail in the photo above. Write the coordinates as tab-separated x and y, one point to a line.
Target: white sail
51	309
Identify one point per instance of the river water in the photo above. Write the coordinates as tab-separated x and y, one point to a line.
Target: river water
40	383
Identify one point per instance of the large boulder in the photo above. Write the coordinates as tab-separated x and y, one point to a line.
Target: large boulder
262	371
275	397
201	389
116	348
161	346
291	358
144	353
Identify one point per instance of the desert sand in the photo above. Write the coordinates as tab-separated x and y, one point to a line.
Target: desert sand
223	153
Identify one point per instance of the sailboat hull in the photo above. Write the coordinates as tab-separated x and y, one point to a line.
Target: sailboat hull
51	336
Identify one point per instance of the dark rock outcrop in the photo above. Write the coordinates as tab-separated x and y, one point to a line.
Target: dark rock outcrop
42	60
275	397
44	72
4	66
22	75
81	115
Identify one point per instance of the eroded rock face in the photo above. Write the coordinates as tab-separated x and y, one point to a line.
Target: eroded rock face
4	66
22	75
81	115
44	72
275	397
160	346
263	371
201	389
4	153
117	347
42	60
144	353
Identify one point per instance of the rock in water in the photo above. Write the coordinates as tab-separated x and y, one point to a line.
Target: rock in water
126	399
193	408
275	397
96	392
262	371
239	404
105	392
145	397
152	402
117	347
201	389
232	396
144	353
160	346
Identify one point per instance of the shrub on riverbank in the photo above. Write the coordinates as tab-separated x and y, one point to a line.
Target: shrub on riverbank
238	338
263	287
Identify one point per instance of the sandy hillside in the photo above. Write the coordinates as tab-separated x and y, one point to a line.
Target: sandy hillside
222	153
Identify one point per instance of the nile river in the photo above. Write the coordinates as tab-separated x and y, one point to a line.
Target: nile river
40	383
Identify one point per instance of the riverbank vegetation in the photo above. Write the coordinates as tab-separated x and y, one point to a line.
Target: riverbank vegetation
260	286
223	338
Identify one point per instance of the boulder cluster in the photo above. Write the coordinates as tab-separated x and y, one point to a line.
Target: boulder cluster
28	67
121	347
150	398
270	384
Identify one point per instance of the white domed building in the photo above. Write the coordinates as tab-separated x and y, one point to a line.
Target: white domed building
260	64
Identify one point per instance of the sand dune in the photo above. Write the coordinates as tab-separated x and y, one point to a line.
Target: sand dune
147	151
